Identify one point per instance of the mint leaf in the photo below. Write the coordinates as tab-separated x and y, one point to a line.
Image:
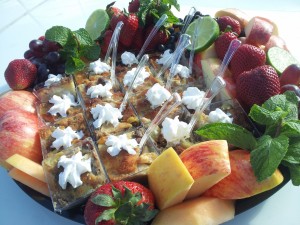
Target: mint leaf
172	3
234	134
264	116
284	102
59	34
291	128
294	172
74	64
83	37
267	156
91	53
293	153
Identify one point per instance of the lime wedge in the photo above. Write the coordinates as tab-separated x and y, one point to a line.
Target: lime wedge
208	33
97	22
280	59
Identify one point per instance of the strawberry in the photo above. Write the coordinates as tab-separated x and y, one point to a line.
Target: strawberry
134	6
247	57
20	74
257	85
227	21
222	43
112	10
139	40
161	37
130	27
120	202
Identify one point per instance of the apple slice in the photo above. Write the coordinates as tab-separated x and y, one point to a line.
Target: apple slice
210	69
169	179
242	183
27	166
275	41
208	163
259	30
198	211
30	181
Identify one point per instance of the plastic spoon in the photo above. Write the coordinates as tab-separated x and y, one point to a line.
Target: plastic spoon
188	19
114	40
177	55
173	102
194	38
181	43
158	24
215	88
234	45
114	55
217	84
137	72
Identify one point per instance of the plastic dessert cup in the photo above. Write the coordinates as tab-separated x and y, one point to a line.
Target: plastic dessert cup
126	166
71	195
63	86
77	123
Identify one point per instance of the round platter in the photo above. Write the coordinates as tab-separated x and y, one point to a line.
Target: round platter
37	9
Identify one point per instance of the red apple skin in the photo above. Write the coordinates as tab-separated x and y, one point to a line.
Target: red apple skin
291	75
17	100
258	31
275	41
241	182
19	134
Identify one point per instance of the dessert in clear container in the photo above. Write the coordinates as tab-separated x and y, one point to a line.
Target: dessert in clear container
122	157
55	85
73	174
64	133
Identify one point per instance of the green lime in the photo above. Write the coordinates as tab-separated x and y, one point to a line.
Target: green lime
208	33
280	59
97	22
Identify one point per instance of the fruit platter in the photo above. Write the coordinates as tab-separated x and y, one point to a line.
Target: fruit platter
155	113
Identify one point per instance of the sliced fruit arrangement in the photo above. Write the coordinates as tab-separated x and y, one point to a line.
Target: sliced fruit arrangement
187	187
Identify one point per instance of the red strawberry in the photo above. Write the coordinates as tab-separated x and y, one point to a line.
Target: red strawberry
161	37
120	201
257	85
112	10
20	74
222	43
139	40
134	6
227	21
129	29
247	57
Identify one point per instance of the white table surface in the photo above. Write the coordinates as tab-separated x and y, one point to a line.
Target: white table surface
22	21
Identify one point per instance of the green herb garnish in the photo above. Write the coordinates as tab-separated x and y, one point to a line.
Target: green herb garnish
280	143
77	46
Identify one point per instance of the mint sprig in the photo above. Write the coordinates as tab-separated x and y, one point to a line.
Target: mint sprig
155	9
77	46
280	142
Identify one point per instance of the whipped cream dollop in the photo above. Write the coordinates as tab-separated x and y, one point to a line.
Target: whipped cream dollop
157	95
99	90
64	137
105	114
218	115
73	168
98	67
128	78
182	71
192	97
129	58
117	143
174	130
52	79
164	58
62	104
